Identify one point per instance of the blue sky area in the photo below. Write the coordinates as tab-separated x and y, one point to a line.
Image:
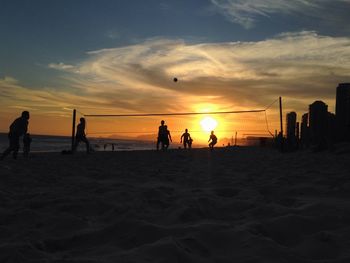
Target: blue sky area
38	32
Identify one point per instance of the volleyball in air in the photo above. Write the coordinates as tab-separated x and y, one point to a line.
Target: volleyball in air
175	79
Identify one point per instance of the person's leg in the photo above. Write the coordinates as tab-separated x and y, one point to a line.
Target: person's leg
158	142
185	144
16	149
12	146
84	139
25	151
165	144
6	152
76	144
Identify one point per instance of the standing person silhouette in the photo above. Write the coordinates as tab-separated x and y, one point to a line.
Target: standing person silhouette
213	140
186	139
18	128
162	134
166	139
81	136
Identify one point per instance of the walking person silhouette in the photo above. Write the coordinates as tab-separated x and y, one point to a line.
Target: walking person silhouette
81	136
18	128
213	140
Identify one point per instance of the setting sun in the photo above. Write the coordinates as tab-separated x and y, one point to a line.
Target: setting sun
208	124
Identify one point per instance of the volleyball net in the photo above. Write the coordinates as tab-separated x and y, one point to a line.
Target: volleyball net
231	127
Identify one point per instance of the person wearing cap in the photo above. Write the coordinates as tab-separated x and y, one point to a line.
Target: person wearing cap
18	128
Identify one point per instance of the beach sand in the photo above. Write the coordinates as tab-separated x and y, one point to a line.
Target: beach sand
229	205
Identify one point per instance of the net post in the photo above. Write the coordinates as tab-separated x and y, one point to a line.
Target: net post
73	129
281	123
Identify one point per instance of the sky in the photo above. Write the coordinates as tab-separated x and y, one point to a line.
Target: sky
120	57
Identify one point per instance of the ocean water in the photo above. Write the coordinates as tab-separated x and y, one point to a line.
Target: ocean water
43	143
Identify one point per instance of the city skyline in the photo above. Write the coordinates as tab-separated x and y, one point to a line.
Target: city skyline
107	57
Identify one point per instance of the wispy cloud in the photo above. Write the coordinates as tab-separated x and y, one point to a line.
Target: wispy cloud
246	12
61	66
299	65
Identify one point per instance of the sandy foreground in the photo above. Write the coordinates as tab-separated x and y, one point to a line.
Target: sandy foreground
230	205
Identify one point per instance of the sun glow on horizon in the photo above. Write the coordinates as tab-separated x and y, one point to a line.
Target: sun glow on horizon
208	124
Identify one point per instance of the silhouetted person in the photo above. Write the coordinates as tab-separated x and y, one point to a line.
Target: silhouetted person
185	138
166	141
27	140
213	140
162	134
112	147
18	128
81	136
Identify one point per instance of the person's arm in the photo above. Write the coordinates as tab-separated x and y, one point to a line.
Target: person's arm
170	137
181	138
25	127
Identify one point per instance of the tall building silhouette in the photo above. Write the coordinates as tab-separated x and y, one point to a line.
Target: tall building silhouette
297	132
332	128
291	125
318	122
304	130
342	111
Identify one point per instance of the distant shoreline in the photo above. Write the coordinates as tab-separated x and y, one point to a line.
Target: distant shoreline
82	152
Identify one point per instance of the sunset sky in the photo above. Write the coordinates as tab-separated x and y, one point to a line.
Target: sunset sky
115	57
